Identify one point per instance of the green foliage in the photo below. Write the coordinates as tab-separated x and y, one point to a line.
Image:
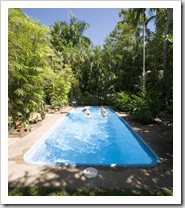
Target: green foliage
48	191
88	99
27	64
70	66
35	69
64	35
144	106
122	101
58	86
119	65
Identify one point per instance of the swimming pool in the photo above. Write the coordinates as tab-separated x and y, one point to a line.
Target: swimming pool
94	140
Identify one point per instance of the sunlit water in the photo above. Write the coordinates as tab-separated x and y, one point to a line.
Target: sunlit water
95	140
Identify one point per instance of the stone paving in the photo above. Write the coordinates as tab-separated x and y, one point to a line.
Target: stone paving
160	140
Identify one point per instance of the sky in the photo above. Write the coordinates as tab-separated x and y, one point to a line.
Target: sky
102	20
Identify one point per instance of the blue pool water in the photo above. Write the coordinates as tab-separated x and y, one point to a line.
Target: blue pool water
96	140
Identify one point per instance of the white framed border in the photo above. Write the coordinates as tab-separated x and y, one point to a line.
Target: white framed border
176	198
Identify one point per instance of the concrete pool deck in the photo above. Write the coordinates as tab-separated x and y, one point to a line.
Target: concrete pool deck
159	137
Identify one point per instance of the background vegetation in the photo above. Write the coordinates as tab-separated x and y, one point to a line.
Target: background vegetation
56	64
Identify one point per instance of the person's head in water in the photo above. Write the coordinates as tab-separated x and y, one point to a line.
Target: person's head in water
88	115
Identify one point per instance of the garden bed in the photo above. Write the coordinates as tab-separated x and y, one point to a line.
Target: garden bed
12	133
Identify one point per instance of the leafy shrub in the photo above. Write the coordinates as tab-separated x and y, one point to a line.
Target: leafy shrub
145	106
88	99
122	101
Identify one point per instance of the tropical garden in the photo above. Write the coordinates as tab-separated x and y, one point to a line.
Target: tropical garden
56	64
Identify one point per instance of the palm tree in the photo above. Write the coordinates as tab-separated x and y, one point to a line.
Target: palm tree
137	17
163	19
69	35
166	32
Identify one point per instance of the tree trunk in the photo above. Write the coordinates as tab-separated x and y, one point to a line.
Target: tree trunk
144	73
165	48
165	57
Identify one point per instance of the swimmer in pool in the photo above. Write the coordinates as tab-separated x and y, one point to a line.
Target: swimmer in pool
88	115
103	112
84	110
